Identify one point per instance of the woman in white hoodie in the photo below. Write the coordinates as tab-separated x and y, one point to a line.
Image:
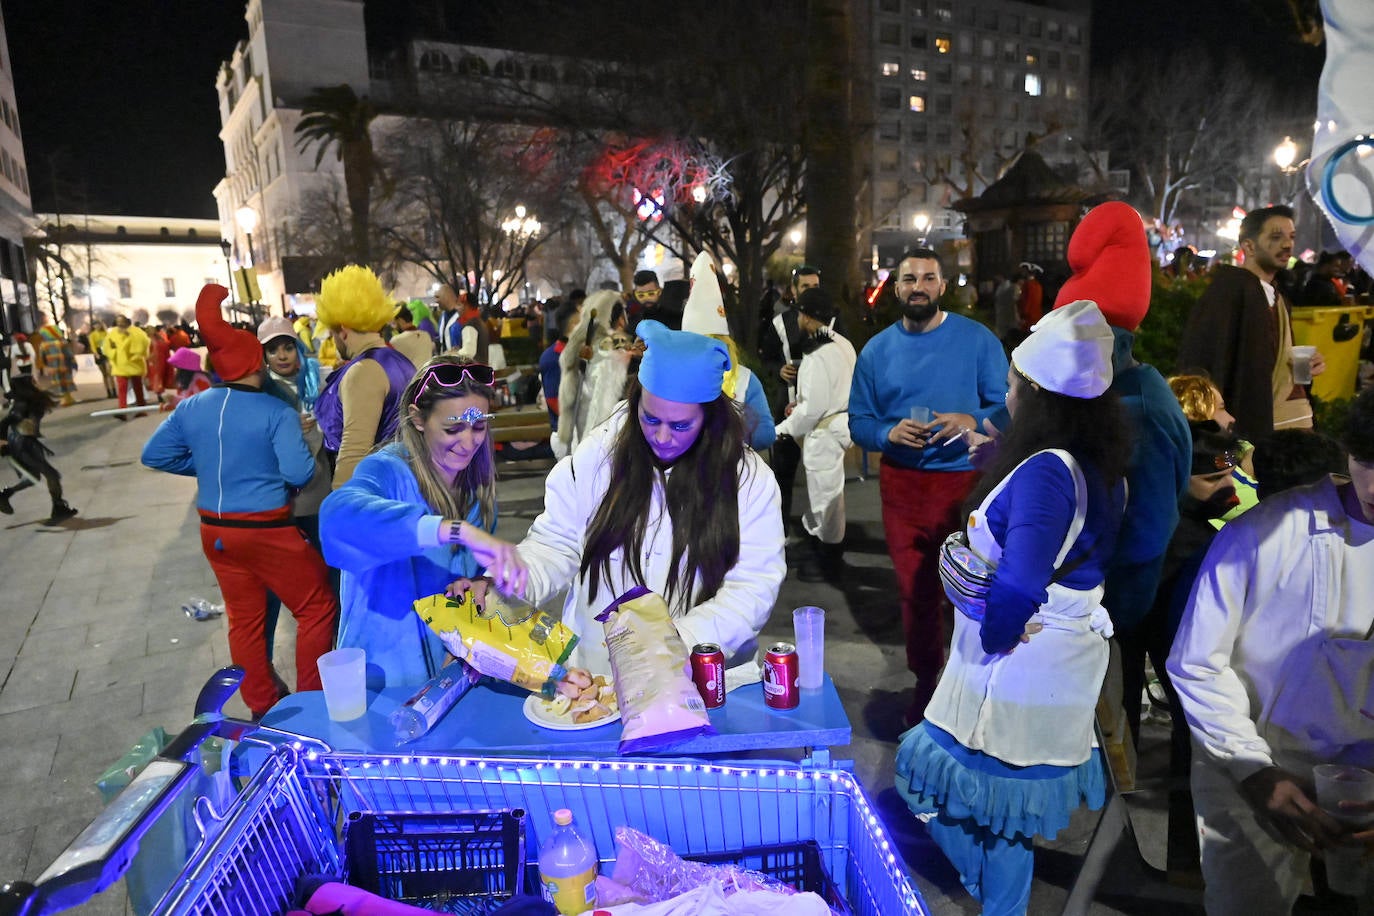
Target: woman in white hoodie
664	495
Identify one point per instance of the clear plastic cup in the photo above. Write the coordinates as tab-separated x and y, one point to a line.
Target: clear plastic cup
921	414
808	625
343	674
1302	364
1346	871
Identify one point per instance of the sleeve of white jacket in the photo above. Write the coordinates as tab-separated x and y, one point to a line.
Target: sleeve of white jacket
468	348
815	389
1213	697
741	607
552	550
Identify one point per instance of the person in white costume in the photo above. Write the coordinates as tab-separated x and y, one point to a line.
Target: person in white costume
664	495
819	419
1274	668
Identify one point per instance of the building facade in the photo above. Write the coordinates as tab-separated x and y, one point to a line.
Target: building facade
142	267
19	312
958	88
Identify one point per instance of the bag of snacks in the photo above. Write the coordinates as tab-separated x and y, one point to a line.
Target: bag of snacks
659	704
502	637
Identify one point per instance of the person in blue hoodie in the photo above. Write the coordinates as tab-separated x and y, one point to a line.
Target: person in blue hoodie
394	527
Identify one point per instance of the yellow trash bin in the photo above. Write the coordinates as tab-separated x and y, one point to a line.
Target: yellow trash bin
1337	331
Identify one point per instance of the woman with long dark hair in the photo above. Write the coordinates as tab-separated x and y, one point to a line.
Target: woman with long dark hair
393	528
665	495
1005	751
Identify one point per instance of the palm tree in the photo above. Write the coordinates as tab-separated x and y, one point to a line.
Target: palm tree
335	116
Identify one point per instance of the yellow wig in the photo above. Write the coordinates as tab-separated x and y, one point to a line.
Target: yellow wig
352	297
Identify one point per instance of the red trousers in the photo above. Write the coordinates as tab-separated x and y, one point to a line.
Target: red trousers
247	562
123	382
920	509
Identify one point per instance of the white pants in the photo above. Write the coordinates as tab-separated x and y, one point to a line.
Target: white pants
823	459
1249	869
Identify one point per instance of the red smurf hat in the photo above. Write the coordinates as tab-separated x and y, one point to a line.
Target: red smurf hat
1110	259
233	352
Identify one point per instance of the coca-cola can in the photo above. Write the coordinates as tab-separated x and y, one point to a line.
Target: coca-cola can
780	689
708	673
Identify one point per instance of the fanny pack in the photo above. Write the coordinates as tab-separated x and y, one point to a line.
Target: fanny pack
967	574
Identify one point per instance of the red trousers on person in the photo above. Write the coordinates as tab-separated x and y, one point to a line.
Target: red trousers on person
252	552
920	509
122	381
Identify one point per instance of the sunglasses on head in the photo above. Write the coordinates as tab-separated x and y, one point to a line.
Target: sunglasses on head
451	375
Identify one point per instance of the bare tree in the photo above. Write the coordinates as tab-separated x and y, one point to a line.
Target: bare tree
981	158
1183	132
466	197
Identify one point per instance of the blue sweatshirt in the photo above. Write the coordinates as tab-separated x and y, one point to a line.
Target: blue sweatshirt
957	367
758	419
243	446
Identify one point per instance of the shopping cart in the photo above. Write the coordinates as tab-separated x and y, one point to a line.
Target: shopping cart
302	810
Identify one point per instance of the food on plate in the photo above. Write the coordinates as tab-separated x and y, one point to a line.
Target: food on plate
582	697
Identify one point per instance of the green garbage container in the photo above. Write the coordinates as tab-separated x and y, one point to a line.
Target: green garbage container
1337	331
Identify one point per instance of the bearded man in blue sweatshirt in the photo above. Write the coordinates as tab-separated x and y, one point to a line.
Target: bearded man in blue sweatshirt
918	387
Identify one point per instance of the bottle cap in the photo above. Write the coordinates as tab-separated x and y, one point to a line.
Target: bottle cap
562	817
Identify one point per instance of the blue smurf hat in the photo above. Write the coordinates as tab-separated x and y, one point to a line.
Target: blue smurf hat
681	366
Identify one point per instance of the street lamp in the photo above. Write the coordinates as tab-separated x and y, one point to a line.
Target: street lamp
521	226
921	221
247	218
1285	154
227	246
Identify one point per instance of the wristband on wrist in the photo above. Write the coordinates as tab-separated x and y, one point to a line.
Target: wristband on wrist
455	532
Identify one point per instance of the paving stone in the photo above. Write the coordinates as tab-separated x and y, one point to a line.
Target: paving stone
72	715
14	853
50	641
37	682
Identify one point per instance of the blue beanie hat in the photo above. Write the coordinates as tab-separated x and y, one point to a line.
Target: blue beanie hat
681	366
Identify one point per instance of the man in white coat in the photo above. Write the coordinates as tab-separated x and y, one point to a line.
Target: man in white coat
819	419
1274	667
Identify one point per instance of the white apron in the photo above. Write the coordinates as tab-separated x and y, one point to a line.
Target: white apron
1034	705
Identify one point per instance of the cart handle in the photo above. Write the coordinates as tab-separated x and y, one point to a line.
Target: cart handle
101	853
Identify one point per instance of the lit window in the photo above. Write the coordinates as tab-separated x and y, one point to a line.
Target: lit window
1032	58
919	75
917	103
943	44
1070	90
169	287
891	69
1032	84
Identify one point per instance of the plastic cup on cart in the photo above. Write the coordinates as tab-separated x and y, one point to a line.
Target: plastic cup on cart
808	624
343	674
1346	870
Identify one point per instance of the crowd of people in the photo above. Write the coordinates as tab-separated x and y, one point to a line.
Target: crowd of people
1054	499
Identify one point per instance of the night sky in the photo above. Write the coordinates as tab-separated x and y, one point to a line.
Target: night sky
117	99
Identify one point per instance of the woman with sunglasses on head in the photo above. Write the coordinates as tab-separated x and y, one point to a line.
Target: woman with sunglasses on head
666	495
393	527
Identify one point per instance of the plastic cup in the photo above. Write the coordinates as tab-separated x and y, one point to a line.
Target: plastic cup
808	625
1346	871
921	414
1302	364
343	674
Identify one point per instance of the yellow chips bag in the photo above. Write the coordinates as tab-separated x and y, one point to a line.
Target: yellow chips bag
530	653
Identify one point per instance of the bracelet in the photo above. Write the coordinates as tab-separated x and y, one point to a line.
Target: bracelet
455	532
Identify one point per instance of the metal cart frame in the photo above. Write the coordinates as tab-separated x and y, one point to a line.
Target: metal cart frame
289	819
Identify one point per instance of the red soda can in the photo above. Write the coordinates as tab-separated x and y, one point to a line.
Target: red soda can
708	673
780	689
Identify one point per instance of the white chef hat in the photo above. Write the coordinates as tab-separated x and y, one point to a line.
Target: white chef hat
1069	351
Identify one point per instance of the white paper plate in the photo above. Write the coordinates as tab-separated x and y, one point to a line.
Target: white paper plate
535	712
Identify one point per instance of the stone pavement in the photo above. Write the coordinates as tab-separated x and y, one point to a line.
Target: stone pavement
95	651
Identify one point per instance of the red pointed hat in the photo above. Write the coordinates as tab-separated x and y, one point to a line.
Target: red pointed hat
233	353
1110	260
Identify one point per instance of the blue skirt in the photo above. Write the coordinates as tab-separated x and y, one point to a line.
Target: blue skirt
938	775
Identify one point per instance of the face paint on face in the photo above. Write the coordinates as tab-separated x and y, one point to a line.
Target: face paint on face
282	356
452	431
670	427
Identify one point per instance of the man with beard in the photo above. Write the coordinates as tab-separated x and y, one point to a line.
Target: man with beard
1240	332
918	387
